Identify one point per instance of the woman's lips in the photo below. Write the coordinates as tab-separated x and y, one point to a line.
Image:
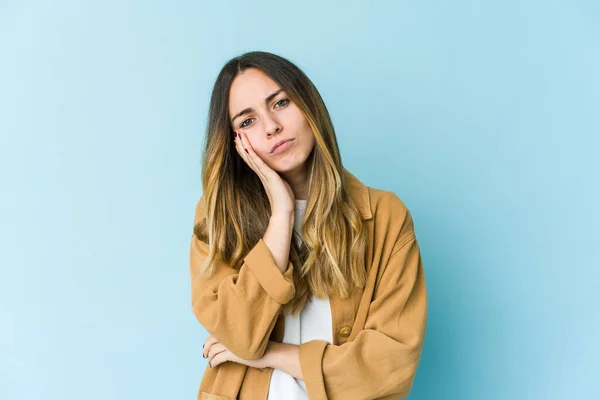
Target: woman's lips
282	146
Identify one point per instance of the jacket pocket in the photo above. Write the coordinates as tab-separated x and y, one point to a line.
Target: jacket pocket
210	396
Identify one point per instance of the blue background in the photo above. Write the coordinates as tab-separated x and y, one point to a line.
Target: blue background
482	116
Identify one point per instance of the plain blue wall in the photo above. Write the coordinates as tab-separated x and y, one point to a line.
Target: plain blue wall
482	116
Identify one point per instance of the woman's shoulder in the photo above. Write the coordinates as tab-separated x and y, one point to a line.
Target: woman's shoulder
199	213
386	203
391	215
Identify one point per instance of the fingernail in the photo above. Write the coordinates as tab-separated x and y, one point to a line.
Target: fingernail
235	133
247	151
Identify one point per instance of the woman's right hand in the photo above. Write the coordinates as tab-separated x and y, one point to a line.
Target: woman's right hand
278	190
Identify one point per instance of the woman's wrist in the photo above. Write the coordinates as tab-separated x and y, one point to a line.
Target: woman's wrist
284	357
277	237
270	356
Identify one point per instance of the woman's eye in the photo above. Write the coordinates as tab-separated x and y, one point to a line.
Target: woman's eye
243	125
284	100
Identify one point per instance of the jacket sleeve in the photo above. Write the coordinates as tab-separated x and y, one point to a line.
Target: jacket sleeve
382	359
239	307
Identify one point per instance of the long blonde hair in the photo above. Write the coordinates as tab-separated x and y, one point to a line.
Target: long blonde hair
331	257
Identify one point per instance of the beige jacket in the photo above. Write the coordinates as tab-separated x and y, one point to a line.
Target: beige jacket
378	334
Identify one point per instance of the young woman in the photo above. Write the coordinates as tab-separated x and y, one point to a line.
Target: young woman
309	283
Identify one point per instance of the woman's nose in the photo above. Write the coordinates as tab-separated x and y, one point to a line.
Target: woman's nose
272	126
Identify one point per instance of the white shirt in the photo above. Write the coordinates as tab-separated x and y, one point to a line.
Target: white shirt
313	322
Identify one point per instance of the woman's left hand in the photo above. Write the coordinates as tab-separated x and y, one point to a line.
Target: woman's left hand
218	354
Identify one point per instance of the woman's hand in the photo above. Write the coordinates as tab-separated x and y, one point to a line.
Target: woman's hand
279	192
218	354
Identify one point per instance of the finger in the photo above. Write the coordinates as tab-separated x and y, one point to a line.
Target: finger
216	351
265	172
259	165
218	359
244	149
246	155
243	154
208	343
238	145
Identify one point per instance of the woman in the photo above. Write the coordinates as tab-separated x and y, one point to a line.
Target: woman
309	283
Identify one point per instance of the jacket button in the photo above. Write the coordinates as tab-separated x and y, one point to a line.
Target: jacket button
345	331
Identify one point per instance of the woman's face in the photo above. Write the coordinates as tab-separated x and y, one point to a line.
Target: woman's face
260	109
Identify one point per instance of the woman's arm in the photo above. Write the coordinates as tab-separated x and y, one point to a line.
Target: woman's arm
382	360
239	307
278	236
285	357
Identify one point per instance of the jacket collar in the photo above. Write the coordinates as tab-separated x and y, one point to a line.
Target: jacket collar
359	192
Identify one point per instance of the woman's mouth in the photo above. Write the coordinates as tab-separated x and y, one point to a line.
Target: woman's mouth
282	147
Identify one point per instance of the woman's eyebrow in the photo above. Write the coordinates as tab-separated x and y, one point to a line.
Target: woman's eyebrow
249	109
